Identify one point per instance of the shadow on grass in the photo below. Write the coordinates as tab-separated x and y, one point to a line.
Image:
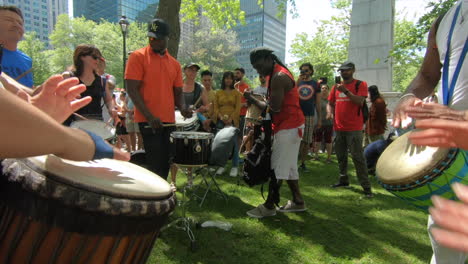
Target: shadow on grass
339	227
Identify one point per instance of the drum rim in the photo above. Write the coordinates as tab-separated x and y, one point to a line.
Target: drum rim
192	135
418	181
85	199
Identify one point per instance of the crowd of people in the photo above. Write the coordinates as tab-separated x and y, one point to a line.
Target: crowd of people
305	114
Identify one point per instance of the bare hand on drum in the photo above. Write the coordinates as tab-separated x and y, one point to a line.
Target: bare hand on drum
440	133
421	110
400	117
452	219
187	113
58	97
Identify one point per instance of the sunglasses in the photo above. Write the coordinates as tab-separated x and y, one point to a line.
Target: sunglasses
92	55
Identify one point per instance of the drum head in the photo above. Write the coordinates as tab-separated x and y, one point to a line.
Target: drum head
403	163
181	121
106	176
97	127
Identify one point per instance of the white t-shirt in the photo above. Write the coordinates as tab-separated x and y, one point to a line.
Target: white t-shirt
459	99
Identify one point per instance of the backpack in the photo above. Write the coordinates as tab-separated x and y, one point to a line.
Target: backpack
364	109
257	164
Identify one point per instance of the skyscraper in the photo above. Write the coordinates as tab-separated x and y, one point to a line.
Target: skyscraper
112	10
262	27
40	16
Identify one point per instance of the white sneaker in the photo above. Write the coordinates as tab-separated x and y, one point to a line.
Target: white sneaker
234	172
220	171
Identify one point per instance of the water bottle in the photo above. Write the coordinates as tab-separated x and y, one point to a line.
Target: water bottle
222	225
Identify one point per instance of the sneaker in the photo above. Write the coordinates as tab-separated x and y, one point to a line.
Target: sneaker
261	211
368	193
234	172
291	206
220	170
340	184
303	167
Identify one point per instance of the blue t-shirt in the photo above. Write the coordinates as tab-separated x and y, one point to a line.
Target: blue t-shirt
308	91
15	63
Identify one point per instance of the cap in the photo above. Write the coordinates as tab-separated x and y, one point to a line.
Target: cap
347	65
158	28
192	65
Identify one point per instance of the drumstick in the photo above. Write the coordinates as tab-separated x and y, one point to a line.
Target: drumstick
198	100
80	116
164	125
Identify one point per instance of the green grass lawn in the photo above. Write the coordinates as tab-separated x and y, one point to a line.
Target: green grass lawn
340	226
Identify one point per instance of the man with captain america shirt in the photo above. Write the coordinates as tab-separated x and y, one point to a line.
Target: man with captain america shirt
309	101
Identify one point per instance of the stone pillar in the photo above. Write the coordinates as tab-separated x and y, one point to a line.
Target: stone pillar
371	40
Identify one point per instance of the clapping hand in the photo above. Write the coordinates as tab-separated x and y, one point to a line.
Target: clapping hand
59	98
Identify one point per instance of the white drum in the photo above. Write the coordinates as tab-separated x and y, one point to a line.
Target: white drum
186	124
99	128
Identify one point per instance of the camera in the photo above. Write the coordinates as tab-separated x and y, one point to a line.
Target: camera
337	79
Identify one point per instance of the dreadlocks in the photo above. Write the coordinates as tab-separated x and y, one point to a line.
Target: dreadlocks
264	52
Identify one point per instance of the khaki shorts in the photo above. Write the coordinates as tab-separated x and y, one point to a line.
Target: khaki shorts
285	151
132	127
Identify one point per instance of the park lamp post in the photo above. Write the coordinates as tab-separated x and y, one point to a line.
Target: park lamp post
123	22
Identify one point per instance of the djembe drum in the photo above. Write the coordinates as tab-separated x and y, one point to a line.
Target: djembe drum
59	211
415	173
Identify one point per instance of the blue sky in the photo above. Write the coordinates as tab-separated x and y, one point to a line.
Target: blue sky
312	11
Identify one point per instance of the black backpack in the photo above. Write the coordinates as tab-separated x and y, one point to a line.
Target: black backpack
364	109
257	163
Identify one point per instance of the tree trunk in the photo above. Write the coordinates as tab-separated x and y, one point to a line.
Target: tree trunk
169	11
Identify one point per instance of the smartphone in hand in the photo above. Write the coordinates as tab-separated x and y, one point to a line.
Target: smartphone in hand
337	79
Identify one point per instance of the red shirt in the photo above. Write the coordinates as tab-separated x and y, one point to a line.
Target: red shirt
159	75
290	115
241	88
346	112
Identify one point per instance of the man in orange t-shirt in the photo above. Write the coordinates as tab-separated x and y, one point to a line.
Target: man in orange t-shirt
154	83
241	86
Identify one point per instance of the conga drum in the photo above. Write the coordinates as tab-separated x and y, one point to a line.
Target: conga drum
59	211
415	173
254	113
99	128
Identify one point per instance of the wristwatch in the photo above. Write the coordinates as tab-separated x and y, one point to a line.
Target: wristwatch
346	92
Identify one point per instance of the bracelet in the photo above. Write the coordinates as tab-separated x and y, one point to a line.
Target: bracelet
102	149
406	95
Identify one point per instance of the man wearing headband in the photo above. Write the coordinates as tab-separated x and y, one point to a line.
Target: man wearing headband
288	123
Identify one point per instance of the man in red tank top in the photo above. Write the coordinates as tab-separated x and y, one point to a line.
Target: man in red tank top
288	121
